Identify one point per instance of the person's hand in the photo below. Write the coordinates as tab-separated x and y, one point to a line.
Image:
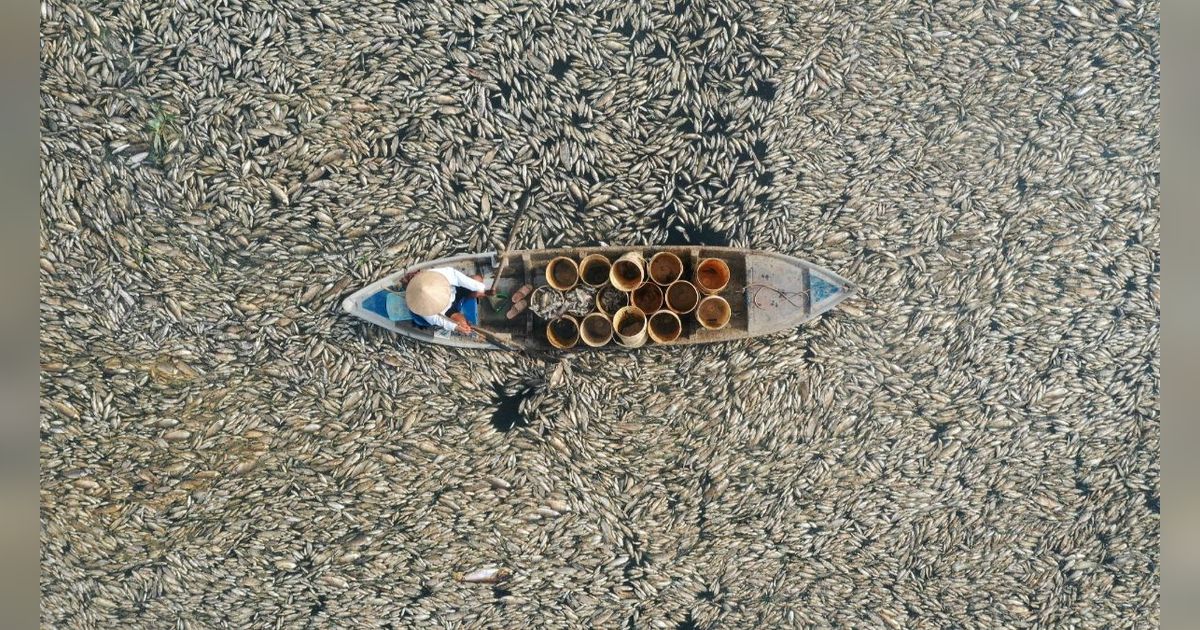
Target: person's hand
461	321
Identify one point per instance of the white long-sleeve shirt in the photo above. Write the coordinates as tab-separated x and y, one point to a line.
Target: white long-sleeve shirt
457	279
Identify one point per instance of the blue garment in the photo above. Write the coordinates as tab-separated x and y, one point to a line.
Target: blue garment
388	304
377	303
397	308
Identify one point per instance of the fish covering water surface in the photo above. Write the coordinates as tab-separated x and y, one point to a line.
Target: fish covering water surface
970	442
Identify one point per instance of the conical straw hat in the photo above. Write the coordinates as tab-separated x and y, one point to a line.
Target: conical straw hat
428	294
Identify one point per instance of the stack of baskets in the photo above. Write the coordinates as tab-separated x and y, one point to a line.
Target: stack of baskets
635	300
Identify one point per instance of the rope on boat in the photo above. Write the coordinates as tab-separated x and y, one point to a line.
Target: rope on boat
786	295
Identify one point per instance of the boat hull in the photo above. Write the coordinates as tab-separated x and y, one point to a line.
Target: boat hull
768	293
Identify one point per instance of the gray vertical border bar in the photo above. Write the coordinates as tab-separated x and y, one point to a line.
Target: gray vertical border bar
1180	316
19	159
1180	201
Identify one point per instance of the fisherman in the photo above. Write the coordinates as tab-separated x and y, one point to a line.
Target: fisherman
443	297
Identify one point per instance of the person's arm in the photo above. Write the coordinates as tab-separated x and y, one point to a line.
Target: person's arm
465	281
443	322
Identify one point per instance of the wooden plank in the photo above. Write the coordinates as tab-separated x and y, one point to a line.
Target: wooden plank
527	273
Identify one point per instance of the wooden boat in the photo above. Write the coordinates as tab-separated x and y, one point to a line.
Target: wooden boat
767	293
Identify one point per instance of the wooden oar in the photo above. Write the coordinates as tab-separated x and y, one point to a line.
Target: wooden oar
491	338
512	233
499	270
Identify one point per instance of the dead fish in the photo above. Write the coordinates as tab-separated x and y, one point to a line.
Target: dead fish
491	575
